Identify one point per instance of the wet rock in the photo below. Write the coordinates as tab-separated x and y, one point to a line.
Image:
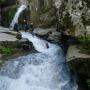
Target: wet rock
9	44
55	36
25	44
18	36
49	34
74	53
7	37
42	32
81	68
24	41
79	64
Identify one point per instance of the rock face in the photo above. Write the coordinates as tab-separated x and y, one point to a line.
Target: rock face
49	34
8	9
42	13
24	43
79	63
81	67
73	15
6	37
70	15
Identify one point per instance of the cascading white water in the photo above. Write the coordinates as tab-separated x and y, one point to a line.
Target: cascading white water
45	70
15	19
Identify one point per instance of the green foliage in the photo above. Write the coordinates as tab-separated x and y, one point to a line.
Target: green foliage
84	38
6	51
88	81
85	41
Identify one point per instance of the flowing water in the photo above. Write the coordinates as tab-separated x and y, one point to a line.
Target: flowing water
45	70
15	19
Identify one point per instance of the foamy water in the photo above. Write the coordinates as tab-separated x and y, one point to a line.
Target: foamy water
45	70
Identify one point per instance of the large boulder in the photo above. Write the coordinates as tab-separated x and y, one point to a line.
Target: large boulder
49	34
24	43
79	64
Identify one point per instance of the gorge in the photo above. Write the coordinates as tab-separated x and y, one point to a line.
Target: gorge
48	68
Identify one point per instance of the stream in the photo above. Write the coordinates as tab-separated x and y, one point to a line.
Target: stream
45	70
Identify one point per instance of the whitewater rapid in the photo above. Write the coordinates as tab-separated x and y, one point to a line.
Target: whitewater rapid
46	70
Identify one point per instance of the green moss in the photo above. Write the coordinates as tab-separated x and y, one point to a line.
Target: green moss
84	38
6	51
85	43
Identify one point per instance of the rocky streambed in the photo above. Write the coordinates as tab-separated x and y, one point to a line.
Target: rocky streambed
78	62
11	47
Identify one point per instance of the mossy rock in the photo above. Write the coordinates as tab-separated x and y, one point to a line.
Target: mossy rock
81	66
9	44
18	36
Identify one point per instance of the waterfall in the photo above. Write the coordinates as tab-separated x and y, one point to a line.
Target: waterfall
45	70
23	6
15	19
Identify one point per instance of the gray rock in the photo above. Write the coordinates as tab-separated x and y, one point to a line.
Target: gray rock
55	36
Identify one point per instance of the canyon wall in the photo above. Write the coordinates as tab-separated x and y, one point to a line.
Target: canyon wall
73	16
